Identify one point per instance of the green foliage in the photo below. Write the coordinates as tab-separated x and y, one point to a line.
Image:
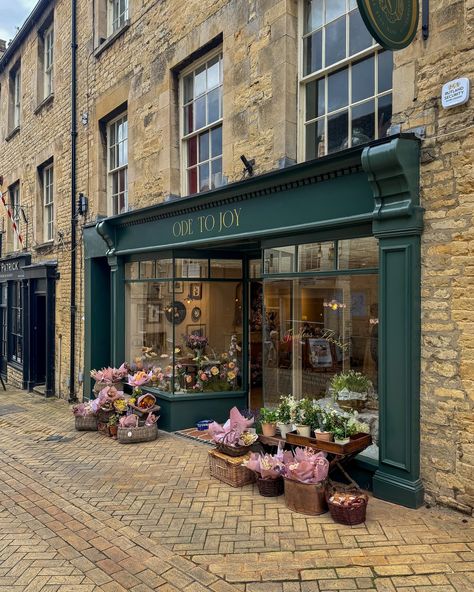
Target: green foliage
355	382
284	410
268	415
113	420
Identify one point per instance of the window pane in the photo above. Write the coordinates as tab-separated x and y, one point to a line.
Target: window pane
338	89
336	41
334	8
357	253
226	268
213	105
131	270
280	259
192	151
315	139
385	69
204	147
315	99
316	257
337	132
312	53
192	181
122	175
216	141
363	123
200	81
147	270
191	268
384	115
115	185
216	173
213	76
313	15
188	88
164	268
363	79
359	36
188	118
203	177
200	106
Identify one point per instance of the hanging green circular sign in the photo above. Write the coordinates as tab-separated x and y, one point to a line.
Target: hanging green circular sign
393	23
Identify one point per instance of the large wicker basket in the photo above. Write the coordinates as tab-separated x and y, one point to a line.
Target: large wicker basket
234	451
306	498
270	487
229	469
86	423
349	515
138	434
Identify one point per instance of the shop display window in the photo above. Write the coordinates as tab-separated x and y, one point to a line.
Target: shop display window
186	329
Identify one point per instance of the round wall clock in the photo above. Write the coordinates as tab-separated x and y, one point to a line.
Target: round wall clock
196	313
175	312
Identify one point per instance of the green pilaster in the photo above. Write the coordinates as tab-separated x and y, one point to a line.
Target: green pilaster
117	309
393	171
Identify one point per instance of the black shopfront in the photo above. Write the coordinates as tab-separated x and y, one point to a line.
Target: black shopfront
27	326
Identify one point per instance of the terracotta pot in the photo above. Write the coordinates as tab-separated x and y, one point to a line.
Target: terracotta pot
342	440
284	428
303	430
324	436
269	429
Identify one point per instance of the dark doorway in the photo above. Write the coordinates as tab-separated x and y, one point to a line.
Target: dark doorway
39	339
3	329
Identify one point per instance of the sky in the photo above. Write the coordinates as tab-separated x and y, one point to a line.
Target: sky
13	14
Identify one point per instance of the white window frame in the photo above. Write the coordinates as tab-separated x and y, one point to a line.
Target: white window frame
15	209
16	97
116	17
48	203
303	80
48	61
113	198
183	138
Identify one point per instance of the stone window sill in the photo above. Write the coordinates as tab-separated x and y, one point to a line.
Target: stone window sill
110	40
44	246
12	134
44	102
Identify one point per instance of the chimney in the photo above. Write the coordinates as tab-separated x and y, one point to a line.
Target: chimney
3	47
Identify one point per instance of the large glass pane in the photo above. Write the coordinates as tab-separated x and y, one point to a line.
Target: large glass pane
359	36
358	253
335	41
280	260
315	140
191	268
385	70
312	52
363	79
313	15
384	115
213	76
338	89
334	8
337	132
315	99
363	123
316	257
148	333
226	268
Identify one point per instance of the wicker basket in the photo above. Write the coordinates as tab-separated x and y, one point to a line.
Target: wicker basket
229	469
86	423
306	498
271	487
143	413
103	415
349	515
233	451
139	434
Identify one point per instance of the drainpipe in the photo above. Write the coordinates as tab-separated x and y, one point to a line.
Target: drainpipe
72	354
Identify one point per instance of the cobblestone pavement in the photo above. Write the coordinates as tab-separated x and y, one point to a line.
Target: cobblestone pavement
84	514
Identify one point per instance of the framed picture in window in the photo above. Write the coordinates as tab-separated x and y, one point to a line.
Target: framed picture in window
359	304
178	287
319	353
154	312
199	330
195	290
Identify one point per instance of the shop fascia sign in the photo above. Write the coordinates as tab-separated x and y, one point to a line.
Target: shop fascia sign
393	23
455	93
207	224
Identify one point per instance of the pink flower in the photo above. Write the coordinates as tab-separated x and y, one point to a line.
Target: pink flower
203	376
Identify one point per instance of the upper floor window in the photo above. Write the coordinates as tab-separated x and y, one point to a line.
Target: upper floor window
117	14
48	58
15	97
48	203
345	77
15	210
201	124
117	165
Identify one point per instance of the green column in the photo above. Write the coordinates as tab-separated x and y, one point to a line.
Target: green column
393	171
117	309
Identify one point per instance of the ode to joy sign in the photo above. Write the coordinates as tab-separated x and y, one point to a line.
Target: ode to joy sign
207	223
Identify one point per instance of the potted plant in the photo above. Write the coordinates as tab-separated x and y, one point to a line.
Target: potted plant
351	389
325	420
268	418
284	415
113	425
302	417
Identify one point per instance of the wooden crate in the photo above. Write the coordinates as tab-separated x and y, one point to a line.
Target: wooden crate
357	443
229	469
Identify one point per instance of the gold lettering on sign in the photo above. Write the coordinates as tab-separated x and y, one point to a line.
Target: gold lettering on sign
224	220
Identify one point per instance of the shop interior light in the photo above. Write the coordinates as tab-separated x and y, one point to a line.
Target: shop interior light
334	304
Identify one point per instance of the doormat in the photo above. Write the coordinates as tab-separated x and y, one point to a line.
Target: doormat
195	434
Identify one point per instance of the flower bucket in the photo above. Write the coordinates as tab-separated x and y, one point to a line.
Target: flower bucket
306	498
270	487
324	436
284	428
304	430
269	429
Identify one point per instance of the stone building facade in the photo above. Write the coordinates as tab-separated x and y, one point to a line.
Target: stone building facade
135	68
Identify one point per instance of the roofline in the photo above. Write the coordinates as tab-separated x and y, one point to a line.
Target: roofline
31	20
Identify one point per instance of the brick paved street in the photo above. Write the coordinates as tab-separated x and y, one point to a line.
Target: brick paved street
85	514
